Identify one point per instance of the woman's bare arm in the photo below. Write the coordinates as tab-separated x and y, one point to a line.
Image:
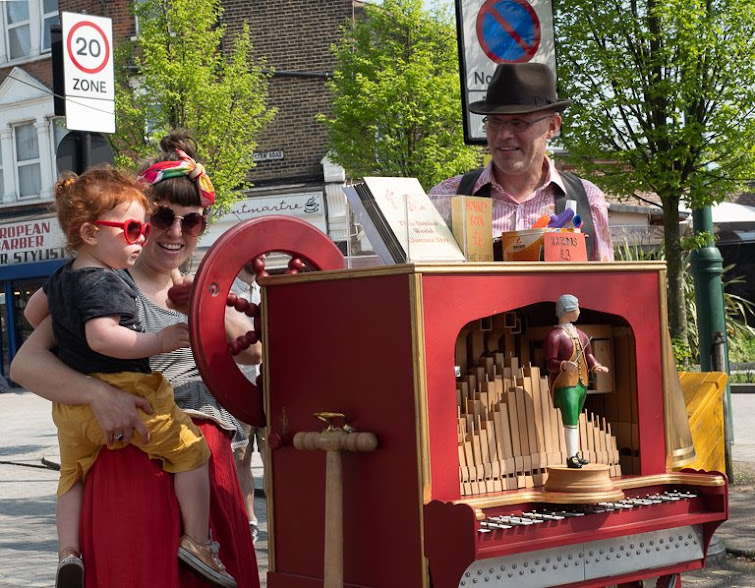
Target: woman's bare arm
36	368
36	308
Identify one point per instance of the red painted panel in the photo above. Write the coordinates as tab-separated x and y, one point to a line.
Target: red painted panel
346	346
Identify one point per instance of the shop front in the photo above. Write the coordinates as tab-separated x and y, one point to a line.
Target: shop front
30	250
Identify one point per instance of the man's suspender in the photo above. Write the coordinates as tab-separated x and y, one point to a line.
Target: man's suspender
575	190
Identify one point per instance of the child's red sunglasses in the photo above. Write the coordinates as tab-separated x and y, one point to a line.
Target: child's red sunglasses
132	229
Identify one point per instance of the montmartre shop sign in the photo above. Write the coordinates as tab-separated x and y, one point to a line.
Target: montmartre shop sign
31	241
307	206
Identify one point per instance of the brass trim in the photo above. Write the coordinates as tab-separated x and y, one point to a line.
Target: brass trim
712	480
417	318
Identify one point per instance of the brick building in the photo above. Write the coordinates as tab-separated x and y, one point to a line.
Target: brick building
292	176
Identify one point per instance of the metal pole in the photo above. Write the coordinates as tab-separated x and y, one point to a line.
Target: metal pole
720	365
707	268
85	151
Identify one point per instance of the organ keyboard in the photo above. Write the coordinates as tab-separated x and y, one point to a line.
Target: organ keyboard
391	348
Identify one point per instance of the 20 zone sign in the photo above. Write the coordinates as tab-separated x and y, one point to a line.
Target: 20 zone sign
88	47
88	68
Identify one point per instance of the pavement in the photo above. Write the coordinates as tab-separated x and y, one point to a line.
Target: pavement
28	541
28	545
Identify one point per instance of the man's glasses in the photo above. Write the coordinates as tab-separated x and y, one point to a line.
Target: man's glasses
132	229
517	125
192	224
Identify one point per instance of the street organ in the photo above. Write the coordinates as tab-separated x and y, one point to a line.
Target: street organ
443	364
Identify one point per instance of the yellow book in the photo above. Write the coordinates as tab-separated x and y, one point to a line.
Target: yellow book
472	226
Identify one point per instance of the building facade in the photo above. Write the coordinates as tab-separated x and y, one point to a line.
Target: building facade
293	175
30	244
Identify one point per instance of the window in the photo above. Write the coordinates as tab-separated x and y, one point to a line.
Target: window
29	177
19	28
50	17
26	28
136	8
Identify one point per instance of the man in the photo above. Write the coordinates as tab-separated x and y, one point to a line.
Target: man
569	359
522	113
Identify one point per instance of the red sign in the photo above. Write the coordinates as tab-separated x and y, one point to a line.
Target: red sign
564	246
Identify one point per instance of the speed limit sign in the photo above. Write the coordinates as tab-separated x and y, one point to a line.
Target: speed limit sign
88	68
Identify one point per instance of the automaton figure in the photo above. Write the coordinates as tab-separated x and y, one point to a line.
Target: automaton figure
569	360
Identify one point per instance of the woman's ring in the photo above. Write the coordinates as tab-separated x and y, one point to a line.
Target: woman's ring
118	437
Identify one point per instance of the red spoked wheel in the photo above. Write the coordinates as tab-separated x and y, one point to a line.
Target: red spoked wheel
245	243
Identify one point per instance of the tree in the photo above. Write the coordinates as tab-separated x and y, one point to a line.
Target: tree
664	90
177	75
397	105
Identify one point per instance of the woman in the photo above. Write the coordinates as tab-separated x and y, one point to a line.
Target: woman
130	523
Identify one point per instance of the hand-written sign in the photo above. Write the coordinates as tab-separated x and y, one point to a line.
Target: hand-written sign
472	225
564	246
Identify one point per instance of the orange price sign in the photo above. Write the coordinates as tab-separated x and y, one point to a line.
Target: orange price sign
564	246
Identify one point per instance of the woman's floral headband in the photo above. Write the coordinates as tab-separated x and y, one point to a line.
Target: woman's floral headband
185	166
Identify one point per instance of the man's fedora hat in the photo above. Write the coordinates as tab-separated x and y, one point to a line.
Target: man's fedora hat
520	88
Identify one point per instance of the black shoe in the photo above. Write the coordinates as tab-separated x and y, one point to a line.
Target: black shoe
70	570
573	462
581	459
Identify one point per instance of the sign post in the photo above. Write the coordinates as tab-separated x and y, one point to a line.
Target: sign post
88	67
498	31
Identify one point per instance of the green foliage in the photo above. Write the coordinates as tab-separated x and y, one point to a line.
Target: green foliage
697	240
740	336
744	351
664	91
682	353
178	75
396	107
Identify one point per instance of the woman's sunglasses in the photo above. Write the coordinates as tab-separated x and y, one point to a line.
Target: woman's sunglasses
192	224
132	229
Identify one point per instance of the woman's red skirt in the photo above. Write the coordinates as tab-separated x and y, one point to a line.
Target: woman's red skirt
131	524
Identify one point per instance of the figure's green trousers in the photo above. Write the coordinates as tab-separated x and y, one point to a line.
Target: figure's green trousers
571	401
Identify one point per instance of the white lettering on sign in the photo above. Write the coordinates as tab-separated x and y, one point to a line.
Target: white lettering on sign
267	155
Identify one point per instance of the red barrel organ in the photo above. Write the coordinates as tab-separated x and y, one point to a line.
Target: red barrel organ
426	358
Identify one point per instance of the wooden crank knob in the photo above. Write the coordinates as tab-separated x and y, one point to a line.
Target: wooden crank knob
337	440
364	442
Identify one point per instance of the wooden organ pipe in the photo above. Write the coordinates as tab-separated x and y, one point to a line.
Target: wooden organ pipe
509	432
